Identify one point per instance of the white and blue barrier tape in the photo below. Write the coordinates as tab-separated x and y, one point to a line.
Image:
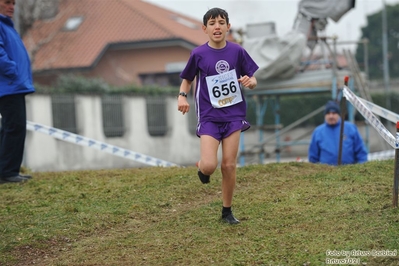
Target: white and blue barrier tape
371	118
382	112
83	141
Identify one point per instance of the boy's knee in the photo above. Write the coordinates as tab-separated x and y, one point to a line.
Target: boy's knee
228	167
208	168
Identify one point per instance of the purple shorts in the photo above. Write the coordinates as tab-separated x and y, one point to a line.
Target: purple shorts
221	130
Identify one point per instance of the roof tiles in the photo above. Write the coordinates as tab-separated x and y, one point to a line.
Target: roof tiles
104	22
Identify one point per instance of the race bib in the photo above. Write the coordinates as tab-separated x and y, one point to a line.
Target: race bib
224	89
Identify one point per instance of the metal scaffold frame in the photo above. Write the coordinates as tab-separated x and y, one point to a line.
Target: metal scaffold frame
263	96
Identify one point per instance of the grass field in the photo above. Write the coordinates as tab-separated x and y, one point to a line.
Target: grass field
291	214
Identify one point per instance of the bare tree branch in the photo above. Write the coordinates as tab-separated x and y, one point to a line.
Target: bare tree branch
31	10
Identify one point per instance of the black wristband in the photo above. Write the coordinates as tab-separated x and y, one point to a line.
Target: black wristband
182	93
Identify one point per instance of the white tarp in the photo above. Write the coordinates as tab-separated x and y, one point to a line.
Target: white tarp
276	57
321	9
279	58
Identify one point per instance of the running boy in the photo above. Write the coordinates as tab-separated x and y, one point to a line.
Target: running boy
219	67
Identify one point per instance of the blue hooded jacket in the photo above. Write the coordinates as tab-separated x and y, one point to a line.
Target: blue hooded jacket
15	68
324	145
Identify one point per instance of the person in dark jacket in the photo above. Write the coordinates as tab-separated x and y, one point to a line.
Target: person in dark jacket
15	83
324	145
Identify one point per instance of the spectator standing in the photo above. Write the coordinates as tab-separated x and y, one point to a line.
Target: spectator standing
324	145
15	83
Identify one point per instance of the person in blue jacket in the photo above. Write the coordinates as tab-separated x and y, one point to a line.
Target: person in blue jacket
324	145
15	83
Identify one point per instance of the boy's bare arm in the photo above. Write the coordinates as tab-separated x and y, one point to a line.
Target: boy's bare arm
182	103
249	82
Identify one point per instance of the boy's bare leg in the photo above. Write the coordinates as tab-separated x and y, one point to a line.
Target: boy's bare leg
209	160
228	167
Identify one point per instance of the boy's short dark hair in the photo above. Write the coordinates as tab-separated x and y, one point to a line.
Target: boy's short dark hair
214	13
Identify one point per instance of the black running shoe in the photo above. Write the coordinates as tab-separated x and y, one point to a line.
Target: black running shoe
204	178
25	176
230	219
12	179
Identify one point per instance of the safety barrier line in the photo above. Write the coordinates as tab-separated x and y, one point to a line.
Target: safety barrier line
87	142
370	117
382	112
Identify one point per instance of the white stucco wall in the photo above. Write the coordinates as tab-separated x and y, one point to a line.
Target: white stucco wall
45	153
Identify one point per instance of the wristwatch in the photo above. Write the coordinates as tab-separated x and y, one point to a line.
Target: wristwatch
182	93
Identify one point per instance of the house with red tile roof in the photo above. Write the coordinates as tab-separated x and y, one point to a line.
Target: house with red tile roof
121	41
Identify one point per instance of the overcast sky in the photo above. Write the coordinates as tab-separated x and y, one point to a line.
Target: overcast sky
281	12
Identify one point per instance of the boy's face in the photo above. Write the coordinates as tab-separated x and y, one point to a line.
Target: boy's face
7	8
216	29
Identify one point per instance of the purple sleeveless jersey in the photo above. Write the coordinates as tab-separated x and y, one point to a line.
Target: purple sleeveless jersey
206	61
